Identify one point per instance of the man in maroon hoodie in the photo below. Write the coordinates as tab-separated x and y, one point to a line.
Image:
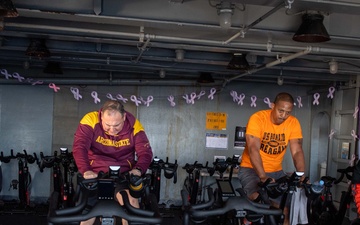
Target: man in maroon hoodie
111	137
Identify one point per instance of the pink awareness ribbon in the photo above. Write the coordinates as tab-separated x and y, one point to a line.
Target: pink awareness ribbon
171	100
298	99
212	93
234	95
241	98
202	93
6	74
316	99
30	80
356	112
94	94
109	96
331	92
76	93
134	99
147	101
121	98
54	87
190	99
267	101
18	76
253	101
353	134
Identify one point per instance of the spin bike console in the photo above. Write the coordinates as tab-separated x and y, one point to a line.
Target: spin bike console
106	206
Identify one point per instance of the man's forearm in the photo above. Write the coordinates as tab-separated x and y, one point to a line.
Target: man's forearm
299	161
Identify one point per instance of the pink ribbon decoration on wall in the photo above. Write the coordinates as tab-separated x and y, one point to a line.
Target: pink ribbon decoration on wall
267	101
94	94
54	87
76	93
134	99
316	99
171	100
121	98
298	99
253	101
212	93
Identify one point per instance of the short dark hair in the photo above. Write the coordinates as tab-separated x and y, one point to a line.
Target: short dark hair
284	96
113	105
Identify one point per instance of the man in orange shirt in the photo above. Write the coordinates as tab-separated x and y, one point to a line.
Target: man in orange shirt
268	133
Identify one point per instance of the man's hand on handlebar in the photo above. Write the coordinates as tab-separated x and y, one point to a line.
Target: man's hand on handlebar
135	172
265	179
90	175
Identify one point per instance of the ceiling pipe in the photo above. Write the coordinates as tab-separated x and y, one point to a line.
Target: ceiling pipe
99	18
243	31
123	82
280	60
244	46
338	3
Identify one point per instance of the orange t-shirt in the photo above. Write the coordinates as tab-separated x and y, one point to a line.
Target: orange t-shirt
273	139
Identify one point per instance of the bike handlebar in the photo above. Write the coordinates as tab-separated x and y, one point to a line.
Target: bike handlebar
102	208
329	181
238	203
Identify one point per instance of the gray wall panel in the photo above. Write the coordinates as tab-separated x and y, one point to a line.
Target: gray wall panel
26	123
175	132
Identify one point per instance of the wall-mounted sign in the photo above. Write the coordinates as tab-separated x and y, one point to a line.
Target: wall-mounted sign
219	141
216	121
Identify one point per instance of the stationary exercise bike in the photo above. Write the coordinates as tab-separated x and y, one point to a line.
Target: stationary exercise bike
63	172
323	210
191	183
24	179
154	174
106	207
234	211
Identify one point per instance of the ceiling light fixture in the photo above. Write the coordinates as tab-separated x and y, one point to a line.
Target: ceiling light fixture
180	54
333	66
238	62
225	12
312	29
162	73
7	9
280	79
37	48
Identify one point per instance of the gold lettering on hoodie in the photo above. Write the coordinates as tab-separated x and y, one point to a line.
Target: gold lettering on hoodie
109	142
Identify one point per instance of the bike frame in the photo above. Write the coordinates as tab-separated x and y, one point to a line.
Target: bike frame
325	201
